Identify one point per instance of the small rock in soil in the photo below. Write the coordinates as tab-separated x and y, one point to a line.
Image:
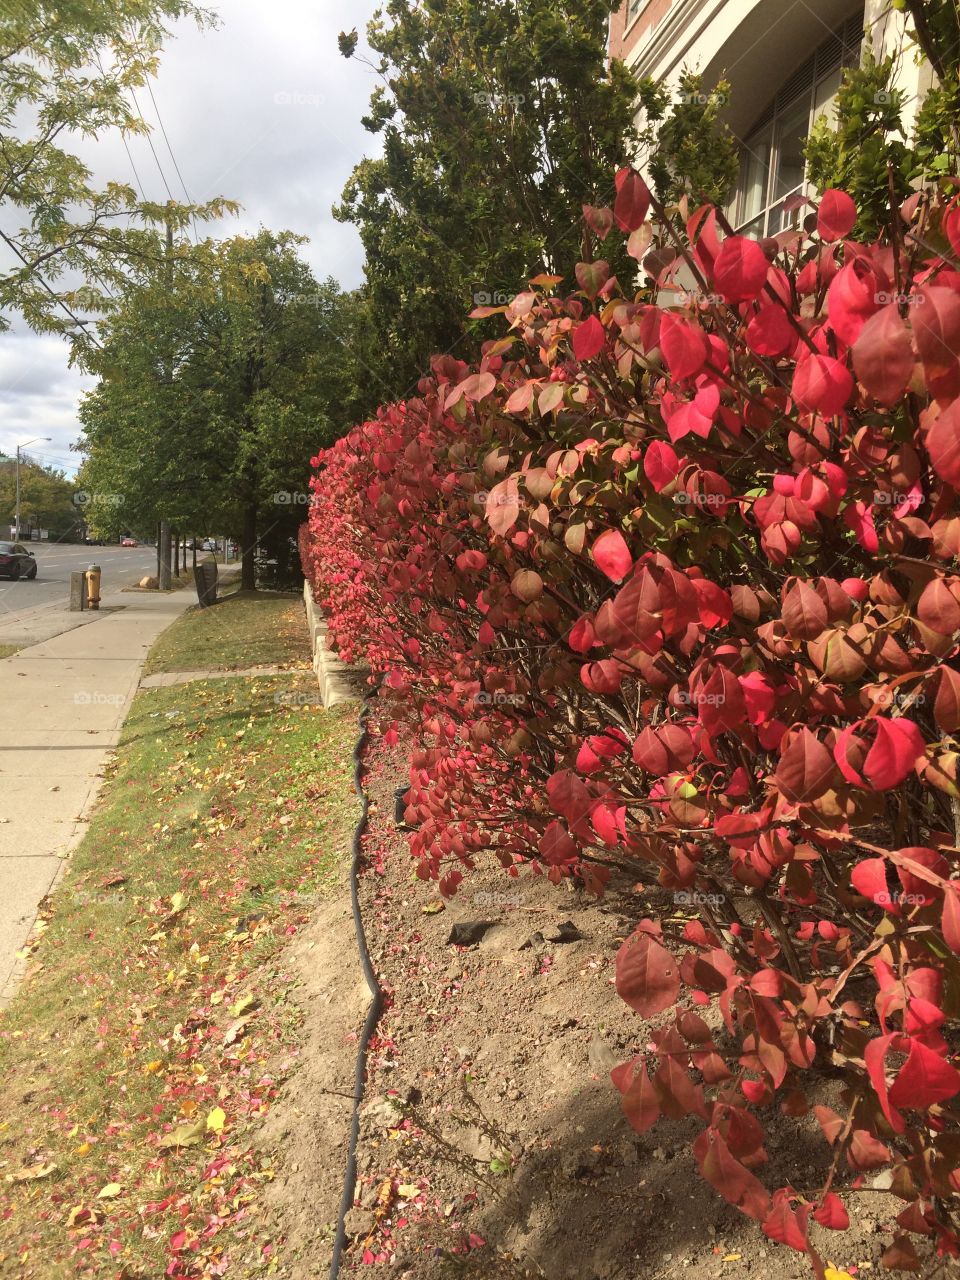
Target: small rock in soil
566	932
535	940
600	1055
359	1222
467	933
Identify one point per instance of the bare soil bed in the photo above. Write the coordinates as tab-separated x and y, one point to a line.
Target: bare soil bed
492	1140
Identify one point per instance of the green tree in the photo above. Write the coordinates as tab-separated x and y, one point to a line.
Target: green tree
46	498
867	150
500	119
218	380
687	147
70	68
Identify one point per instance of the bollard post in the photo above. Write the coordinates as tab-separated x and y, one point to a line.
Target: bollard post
78	591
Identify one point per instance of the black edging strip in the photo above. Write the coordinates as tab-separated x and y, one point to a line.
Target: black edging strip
376	1004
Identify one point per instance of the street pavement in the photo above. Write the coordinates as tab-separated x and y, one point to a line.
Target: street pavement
62	702
121	566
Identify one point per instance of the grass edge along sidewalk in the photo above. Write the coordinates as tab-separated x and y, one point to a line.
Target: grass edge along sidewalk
154	1026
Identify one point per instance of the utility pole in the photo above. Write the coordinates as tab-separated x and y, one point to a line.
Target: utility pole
163	542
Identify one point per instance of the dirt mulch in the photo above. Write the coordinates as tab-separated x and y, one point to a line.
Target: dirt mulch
492	1141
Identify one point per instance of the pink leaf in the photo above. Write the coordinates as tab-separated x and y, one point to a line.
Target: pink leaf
740	269
612	555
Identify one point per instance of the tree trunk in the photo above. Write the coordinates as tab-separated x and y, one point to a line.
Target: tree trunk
194	551
176	554
248	572
164	554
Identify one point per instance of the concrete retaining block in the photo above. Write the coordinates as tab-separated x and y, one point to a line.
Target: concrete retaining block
339	681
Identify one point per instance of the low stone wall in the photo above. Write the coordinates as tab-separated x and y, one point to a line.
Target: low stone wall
339	681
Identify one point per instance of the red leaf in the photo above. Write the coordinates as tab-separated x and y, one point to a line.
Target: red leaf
831	1213
936	330
770	332
836	216
589	339
477	385
785	1225
736	1184
883	355
822	384
684	345
943	444
804	613
661	464
639	1102
866	1152
612	555
633	200
896	748
951	917
648	977
925	1078
806	769
869	877
946	707
600	220
875	1058
740	269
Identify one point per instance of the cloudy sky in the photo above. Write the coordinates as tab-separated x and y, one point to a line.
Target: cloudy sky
263	110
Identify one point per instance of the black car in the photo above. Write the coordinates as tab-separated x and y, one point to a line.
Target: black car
16	561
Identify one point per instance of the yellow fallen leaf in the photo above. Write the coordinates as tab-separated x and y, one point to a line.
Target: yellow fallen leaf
408	1190
110	1191
84	1149
177	903
732	1257
187	1107
244	1005
32	1173
216	1120
831	1273
185	1135
152	1068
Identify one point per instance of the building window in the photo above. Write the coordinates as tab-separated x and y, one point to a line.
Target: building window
633	9
772	164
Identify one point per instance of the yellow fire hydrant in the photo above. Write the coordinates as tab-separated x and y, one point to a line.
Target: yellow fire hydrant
92	576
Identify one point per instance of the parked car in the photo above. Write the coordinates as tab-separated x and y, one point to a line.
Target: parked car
128	542
16	561
209	545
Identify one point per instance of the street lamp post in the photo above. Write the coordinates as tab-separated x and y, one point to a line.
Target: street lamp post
16	517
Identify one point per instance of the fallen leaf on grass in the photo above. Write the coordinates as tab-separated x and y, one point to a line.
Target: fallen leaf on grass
237	1030
185	1135
32	1173
81	1216
110	1191
246	1004
434	908
216	1120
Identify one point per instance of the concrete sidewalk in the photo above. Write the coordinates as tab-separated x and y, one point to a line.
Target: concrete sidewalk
61	707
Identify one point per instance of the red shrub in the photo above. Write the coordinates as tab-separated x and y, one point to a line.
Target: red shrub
670	584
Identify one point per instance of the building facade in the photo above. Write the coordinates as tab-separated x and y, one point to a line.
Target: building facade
783	60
